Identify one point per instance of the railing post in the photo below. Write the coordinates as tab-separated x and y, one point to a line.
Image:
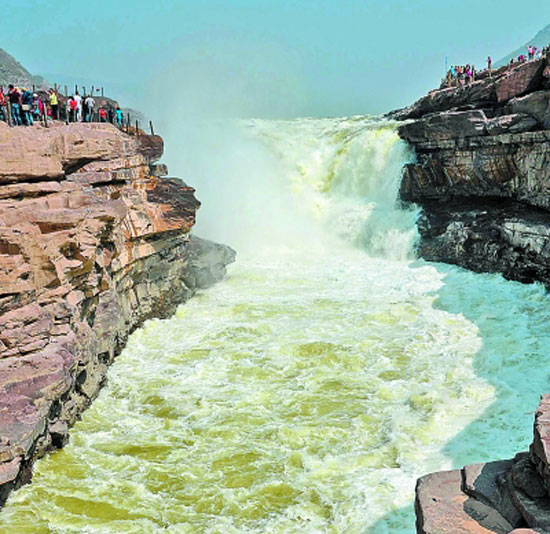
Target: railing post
10	118
151	126
137	128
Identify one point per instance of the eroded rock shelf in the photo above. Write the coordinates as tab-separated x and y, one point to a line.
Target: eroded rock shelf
93	241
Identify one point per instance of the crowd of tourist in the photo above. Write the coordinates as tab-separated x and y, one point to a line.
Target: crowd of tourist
532	53
459	75
22	107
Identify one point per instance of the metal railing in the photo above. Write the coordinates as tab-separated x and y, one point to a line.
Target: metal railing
68	116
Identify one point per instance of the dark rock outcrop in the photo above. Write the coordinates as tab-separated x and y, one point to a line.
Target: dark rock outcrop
92	243
482	172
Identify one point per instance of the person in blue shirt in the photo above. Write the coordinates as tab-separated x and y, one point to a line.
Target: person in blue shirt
27	102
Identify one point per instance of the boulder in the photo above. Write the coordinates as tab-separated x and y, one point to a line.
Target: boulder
442	507
526	478
207	262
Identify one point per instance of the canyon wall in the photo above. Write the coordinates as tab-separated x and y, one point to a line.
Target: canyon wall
482	173
93	241
482	178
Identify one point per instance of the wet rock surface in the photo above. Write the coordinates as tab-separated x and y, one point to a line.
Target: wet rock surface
93	241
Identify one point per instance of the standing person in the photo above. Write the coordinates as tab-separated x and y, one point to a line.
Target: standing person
36	105
118	114
14	98
468	74
3	114
54	103
111	113
78	112
26	106
89	104
490	66
73	106
102	114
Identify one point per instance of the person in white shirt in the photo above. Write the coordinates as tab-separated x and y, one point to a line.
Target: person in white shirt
78	99
89	105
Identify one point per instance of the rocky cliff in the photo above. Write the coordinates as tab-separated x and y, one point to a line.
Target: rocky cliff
11	71
482	178
93	241
482	172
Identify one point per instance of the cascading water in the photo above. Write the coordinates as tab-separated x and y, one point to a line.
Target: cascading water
308	391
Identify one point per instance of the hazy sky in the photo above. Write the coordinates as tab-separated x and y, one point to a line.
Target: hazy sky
265	57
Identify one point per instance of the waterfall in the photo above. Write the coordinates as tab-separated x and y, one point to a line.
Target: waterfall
307	391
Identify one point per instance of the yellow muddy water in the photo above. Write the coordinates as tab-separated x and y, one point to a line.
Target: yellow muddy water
307	391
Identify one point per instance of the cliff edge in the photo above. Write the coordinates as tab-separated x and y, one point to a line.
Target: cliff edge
482	172
93	241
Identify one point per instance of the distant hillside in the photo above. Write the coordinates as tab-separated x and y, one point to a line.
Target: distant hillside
11	71
540	40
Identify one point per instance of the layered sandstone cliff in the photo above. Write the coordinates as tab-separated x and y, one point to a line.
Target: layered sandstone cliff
93	241
482	172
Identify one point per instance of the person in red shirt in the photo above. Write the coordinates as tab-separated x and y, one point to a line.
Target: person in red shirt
3	115
102	114
14	98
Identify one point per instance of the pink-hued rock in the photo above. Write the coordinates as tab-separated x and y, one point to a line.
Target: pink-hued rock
520	80
443	508
92	243
9	470
514	491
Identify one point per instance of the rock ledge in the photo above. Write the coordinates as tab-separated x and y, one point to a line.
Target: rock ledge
93	241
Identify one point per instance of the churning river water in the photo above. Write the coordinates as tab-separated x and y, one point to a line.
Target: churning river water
307	391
